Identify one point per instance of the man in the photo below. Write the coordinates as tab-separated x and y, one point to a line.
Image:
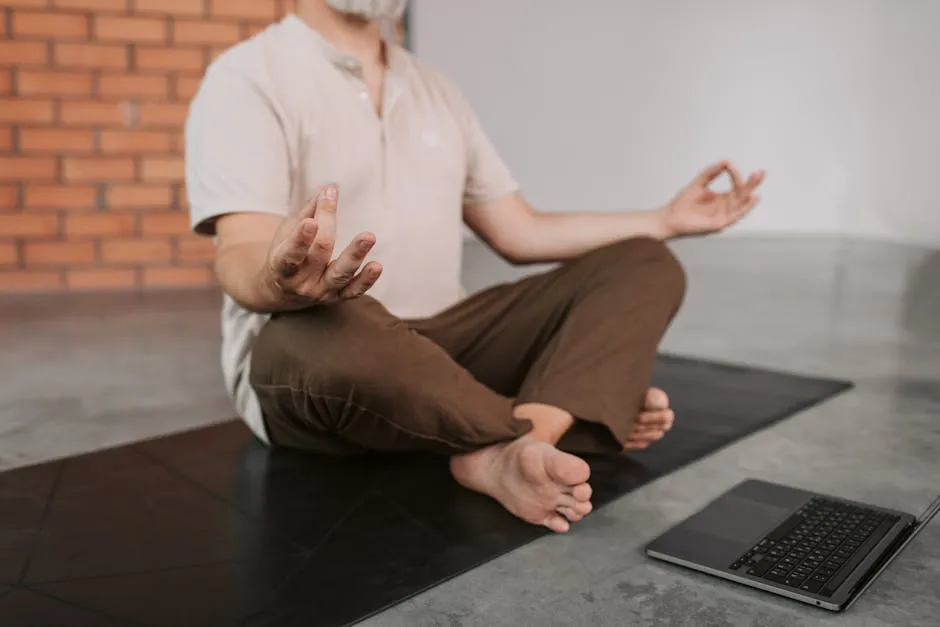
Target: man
314	146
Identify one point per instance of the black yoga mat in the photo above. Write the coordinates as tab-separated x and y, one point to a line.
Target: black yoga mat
210	528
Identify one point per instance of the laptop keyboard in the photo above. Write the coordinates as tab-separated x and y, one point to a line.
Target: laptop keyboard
818	547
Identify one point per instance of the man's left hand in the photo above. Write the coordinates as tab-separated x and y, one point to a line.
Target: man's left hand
697	210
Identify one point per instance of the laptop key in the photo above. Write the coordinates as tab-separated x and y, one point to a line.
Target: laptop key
777	576
760	569
843	573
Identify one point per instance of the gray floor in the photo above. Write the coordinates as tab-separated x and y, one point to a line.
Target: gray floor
82	373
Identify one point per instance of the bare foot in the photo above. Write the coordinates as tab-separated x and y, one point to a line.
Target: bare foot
653	422
532	479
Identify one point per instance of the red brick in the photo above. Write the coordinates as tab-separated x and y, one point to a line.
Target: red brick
139	197
136	141
9	195
251	29
176	59
203	32
92	5
19	168
6	81
8	254
58	253
29	4
99	278
23	52
94	56
178	143
99	168
29	224
171	116
245	9
53	84
186	87
170	223
47	24
133	85
30	281
170	7
56	140
163	169
215	51
135	250
196	249
184	198
6	138
177	276
23	111
90	112
130	29
60	196
78	225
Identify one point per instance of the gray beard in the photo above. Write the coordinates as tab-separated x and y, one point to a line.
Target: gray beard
371	9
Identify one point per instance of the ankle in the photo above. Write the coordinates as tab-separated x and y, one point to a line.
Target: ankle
549	423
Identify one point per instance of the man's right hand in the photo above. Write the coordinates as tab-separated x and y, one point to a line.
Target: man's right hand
300	267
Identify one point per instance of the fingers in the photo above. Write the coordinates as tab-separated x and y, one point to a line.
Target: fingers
737	183
712	172
320	252
745	206
292	254
363	281
310	209
342	271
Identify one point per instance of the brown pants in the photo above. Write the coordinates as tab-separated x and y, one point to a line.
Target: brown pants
583	337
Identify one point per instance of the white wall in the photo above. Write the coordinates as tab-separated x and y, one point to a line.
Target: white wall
613	104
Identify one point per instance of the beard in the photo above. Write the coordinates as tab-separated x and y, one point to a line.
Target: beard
371	9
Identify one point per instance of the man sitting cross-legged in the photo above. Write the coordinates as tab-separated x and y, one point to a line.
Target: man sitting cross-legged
320	354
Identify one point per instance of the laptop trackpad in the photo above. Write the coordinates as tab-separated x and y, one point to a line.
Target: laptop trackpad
740	520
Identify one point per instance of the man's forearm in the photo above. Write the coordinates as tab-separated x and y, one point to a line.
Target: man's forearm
551	237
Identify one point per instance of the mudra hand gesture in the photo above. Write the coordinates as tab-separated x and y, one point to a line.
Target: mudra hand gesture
300	265
697	210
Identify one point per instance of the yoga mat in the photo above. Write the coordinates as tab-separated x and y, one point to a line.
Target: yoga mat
208	527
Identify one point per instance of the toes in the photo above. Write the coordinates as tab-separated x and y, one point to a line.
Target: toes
570	513
557	523
635	446
656	399
582	492
662	418
567	469
583	508
647	435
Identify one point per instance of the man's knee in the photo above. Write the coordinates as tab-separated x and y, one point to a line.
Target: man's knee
646	258
329	349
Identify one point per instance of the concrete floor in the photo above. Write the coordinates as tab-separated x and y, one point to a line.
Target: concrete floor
88	372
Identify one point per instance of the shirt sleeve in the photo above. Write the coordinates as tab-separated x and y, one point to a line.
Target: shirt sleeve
236	151
488	176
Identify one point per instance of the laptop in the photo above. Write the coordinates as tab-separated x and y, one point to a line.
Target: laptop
807	546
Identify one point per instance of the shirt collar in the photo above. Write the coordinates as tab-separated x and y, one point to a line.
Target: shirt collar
343	60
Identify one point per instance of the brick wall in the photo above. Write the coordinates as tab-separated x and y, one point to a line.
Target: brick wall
93	96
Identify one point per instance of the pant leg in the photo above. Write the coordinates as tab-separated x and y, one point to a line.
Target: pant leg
352	377
582	337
